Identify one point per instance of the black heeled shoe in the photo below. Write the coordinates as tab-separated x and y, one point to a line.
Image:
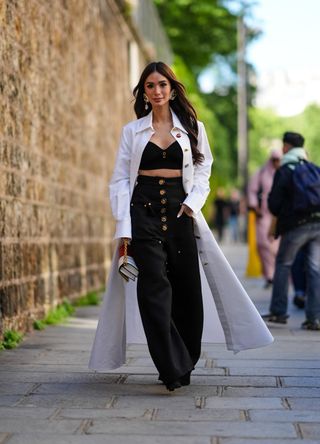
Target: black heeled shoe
171	386
185	379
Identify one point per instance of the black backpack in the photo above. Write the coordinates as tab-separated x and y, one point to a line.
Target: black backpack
306	187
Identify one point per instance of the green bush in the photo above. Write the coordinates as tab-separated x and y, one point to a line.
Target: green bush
55	316
65	309
92	298
11	339
39	325
59	313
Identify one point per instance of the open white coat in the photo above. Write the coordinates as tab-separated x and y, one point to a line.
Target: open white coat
242	325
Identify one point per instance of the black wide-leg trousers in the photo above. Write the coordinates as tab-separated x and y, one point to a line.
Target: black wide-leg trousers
169	286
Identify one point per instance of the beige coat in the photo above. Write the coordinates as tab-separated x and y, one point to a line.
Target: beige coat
242	325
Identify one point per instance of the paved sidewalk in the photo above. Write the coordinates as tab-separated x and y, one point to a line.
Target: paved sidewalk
266	396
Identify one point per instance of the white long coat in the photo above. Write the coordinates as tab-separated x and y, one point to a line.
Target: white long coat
242	325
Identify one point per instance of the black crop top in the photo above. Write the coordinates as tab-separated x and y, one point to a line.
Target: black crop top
154	157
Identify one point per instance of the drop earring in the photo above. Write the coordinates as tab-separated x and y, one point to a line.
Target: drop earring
173	94
146	101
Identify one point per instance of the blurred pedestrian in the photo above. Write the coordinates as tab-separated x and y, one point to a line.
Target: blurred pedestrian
297	229
298	275
258	190
233	215
220	211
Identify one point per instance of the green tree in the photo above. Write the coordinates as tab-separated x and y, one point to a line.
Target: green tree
266	129
217	134
307	124
198	30
203	34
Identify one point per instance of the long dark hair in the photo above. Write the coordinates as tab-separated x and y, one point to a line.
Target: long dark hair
180	105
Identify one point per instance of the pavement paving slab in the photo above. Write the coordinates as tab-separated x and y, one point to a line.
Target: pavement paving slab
266	441
265	396
108	439
240	429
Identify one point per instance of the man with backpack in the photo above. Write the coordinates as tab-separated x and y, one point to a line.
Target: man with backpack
295	201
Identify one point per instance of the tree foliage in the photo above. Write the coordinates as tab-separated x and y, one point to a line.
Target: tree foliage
203	34
198	30
216	133
267	129
307	123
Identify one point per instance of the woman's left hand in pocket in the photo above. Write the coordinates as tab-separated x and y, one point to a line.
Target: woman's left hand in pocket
185	209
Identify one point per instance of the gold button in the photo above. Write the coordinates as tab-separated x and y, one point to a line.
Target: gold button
163	201
162	192
163	210
161	181
163	219
164	227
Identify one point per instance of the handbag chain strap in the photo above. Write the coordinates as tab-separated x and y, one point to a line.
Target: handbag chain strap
125	245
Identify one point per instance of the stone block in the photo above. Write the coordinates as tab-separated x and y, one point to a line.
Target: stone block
263	392
80	389
163	400
15	388
303	381
108	439
25	412
197	414
238	429
310	431
266	441
39	401
285	415
287	371
243	403
9	400
304	403
107	413
29	425
208	381
56	377
269	363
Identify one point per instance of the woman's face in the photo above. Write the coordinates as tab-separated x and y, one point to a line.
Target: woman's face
157	88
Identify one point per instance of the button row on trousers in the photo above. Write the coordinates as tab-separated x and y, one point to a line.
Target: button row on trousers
163	201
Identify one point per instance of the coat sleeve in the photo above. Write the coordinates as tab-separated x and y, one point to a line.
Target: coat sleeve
201	188
278	193
253	188
119	188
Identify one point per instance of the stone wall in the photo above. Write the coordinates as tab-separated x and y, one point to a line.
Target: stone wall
64	85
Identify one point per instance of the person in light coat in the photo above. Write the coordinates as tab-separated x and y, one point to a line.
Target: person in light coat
258	190
159	185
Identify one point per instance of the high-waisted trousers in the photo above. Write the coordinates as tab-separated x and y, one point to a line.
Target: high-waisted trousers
169	285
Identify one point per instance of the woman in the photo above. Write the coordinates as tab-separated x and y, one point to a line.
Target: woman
159	185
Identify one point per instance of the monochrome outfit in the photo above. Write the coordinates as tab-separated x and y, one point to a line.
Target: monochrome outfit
171	279
165	251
